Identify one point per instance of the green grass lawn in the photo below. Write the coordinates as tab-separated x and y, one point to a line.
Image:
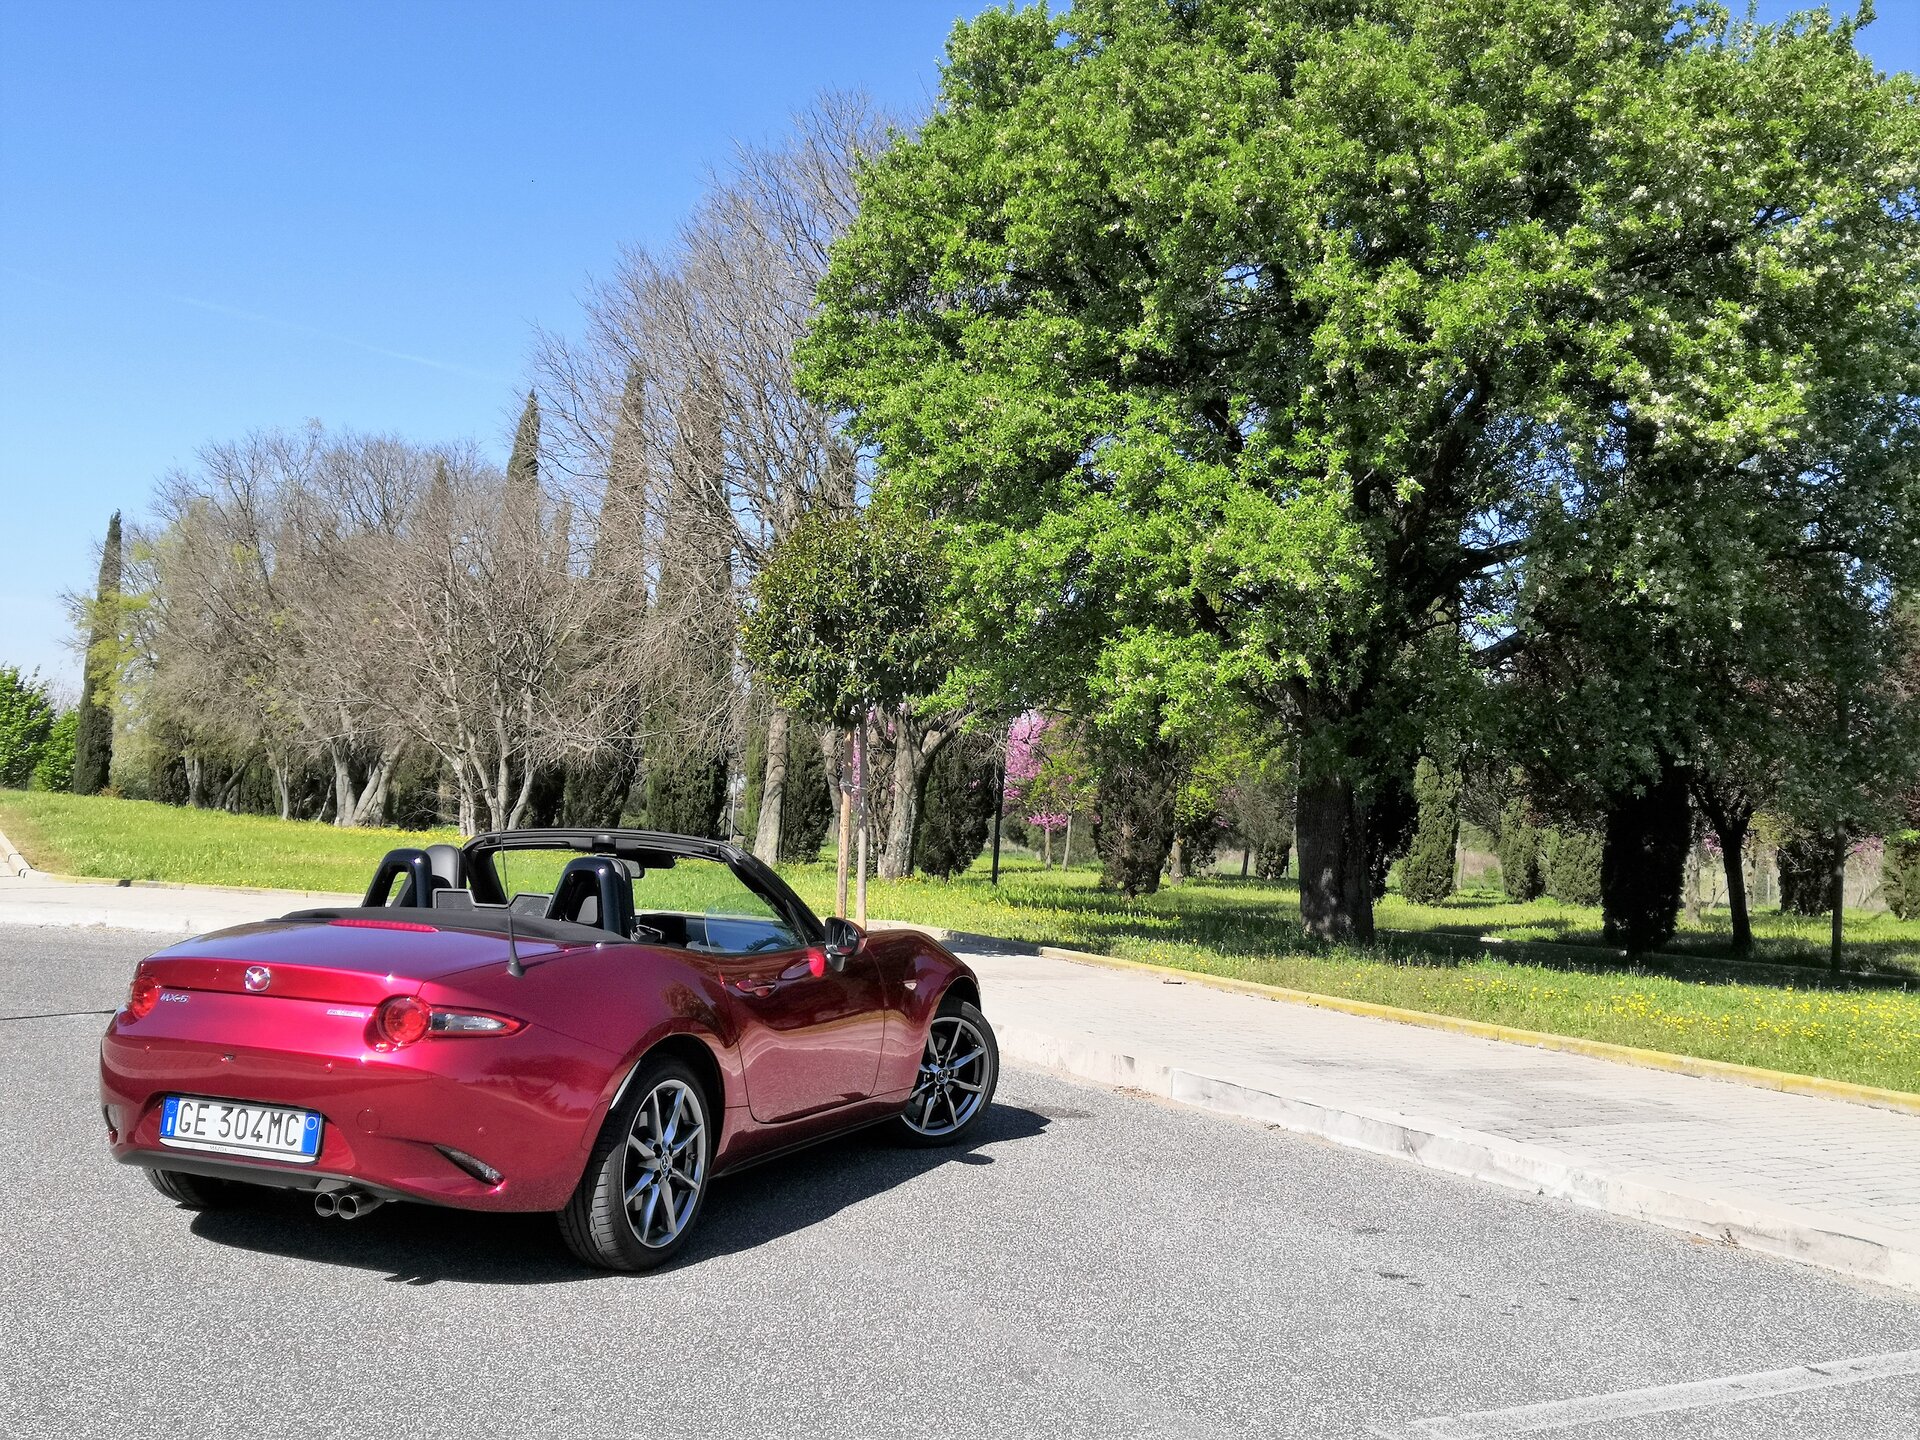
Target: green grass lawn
1226	926
1875	939
141	840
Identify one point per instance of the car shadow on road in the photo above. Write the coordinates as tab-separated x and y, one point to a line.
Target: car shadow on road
423	1245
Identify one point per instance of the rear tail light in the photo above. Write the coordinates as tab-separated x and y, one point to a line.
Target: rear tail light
403	1020
142	995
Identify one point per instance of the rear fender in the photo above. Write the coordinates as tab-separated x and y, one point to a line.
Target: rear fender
717	1064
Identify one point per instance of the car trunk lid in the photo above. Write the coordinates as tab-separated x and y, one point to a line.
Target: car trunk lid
344	961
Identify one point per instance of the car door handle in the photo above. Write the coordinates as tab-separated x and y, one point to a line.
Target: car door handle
762	988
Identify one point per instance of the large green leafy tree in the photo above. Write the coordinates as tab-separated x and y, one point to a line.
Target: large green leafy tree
846	618
1263	348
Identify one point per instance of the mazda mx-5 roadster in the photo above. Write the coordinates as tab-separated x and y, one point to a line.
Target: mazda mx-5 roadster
593	1023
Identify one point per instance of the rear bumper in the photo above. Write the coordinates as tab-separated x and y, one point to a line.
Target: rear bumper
522	1104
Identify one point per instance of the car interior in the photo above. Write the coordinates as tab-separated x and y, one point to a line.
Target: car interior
596	892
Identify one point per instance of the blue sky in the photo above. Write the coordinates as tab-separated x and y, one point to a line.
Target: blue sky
215	218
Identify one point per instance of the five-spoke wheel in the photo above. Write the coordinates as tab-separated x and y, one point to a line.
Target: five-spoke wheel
959	1068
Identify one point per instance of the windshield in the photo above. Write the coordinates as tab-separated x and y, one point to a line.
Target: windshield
694	904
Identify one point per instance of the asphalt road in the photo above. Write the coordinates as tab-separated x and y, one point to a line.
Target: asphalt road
1100	1264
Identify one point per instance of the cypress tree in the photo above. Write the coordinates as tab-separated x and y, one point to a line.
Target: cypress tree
598	786
523	465
1900	875
1427	876
807	810
93	741
1133	814
1806	874
686	784
1643	865
1573	865
957	810
1392	811
1521	874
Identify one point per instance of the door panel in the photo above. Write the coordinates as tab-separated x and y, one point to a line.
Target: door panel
809	1038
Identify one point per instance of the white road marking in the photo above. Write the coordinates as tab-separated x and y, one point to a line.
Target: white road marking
1661	1399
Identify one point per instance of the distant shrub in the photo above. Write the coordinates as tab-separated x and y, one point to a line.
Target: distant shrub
26	720
54	769
1806	874
1522	874
1573	865
1271	863
1900	874
1426	878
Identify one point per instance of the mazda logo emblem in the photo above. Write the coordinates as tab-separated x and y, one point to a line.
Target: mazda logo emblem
258	977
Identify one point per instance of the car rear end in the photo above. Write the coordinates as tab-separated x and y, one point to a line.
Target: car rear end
347	1054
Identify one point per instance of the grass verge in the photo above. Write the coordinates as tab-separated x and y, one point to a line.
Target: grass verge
1245	929
141	840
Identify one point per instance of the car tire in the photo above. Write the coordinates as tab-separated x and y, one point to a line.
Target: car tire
631	1211
199	1192
959	1071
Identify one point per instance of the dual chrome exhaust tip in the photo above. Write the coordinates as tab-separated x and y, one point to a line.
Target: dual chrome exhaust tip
345	1204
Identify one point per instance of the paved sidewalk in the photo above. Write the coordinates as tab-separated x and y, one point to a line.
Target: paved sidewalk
1822	1181
38	899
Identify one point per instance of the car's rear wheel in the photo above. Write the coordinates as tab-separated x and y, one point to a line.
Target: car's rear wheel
647	1177
199	1192
959	1068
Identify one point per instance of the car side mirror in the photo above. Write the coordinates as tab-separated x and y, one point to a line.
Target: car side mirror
843	940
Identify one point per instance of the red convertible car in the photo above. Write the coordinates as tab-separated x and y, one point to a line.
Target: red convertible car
594	1023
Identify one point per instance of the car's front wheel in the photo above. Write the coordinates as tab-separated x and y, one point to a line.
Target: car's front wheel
648	1173
959	1068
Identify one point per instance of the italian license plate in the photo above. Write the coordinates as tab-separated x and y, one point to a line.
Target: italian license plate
229	1127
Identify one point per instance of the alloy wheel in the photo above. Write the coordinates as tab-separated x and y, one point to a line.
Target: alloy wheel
666	1163
952	1082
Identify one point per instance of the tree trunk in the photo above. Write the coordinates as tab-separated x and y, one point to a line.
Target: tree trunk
1336	898
1839	900
773	791
914	749
1046	840
844	840
196	769
278	765
896	855
345	800
1731	831
1246	861
372	804
1066	845
1177	862
860	806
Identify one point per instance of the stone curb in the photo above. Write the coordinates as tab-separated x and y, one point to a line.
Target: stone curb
1861	1252
13	861
1815	1086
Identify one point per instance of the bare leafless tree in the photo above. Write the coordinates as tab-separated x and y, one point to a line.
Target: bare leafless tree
724	307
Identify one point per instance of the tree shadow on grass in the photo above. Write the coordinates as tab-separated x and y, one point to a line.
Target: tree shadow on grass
424	1244
1572	944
